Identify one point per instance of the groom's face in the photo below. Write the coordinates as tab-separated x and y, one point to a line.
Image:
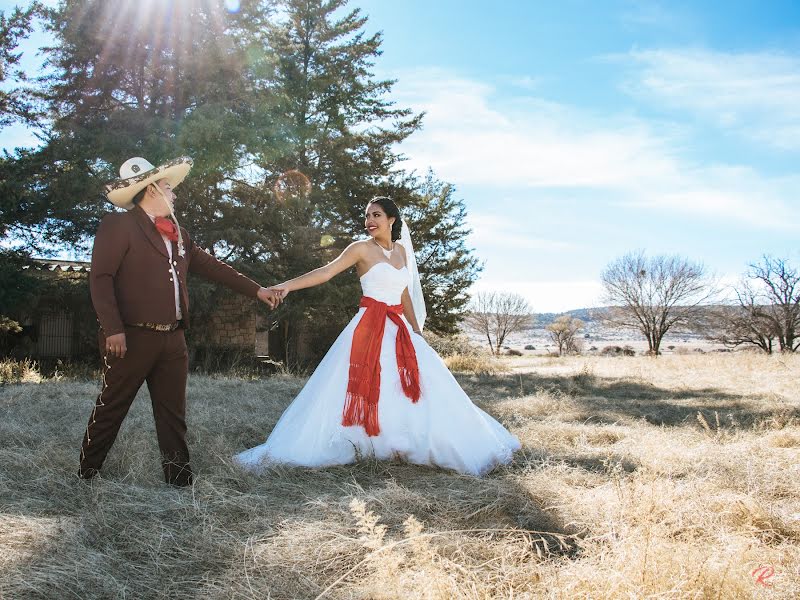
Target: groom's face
166	189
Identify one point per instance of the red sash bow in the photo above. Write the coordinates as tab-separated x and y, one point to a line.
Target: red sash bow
167	228
364	382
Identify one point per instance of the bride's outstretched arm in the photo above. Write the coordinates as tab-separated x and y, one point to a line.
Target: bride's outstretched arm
351	255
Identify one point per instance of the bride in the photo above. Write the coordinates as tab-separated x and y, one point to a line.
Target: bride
381	390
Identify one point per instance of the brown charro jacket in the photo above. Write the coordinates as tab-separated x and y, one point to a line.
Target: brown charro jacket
131	280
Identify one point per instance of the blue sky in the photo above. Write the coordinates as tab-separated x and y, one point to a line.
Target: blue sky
579	130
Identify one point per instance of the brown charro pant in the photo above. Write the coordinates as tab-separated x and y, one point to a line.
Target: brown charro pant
160	359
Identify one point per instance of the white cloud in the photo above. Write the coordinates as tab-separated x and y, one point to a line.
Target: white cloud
755	94
492	231
469	138
629	170
734	193
653	14
525	82
472	136
646	13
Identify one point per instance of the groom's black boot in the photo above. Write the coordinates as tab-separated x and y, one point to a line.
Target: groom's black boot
88	473
178	474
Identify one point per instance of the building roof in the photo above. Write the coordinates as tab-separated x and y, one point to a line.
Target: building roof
75	266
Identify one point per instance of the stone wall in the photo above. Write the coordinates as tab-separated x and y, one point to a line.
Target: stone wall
262	331
233	324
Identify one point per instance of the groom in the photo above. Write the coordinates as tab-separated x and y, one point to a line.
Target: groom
140	261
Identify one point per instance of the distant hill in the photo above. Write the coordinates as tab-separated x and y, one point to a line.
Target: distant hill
587	315
592	317
595	331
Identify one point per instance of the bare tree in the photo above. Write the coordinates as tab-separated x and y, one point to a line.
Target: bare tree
780	284
496	315
743	323
767	308
563	331
655	294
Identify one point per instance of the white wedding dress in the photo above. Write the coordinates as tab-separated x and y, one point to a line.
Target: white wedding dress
443	428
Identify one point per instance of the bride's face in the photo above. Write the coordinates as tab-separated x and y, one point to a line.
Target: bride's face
376	222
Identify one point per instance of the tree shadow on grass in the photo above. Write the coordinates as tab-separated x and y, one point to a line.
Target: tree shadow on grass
606	400
128	534
123	538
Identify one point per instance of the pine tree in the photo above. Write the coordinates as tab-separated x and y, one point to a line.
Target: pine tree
341	131
275	87
15	106
124	82
14	103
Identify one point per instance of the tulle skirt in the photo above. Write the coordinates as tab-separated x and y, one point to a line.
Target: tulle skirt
444	428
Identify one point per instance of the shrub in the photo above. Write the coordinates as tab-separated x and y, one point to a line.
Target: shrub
512	352
8	326
576	347
74	370
530	347
452	345
585	376
618	351
479	365
19	371
233	361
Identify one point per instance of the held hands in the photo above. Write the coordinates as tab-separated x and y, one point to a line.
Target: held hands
281	290
274	295
269	296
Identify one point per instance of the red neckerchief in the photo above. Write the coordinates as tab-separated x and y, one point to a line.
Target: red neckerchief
364	382
167	228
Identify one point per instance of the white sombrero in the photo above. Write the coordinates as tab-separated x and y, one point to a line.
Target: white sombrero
135	174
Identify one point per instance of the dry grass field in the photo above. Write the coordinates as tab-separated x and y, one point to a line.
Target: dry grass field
676	477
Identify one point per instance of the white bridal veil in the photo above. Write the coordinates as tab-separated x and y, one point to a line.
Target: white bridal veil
415	289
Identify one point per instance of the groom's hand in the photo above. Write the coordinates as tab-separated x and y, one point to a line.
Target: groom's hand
116	345
269	297
281	291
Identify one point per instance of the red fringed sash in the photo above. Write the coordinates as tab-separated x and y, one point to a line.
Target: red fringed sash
364	383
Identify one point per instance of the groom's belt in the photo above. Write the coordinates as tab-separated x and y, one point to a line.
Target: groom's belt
158	326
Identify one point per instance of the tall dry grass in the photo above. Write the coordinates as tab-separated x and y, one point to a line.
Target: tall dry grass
674	477
19	371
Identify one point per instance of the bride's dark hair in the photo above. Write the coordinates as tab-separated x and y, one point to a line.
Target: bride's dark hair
391	210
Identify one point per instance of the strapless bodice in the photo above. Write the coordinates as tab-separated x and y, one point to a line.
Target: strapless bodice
385	283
